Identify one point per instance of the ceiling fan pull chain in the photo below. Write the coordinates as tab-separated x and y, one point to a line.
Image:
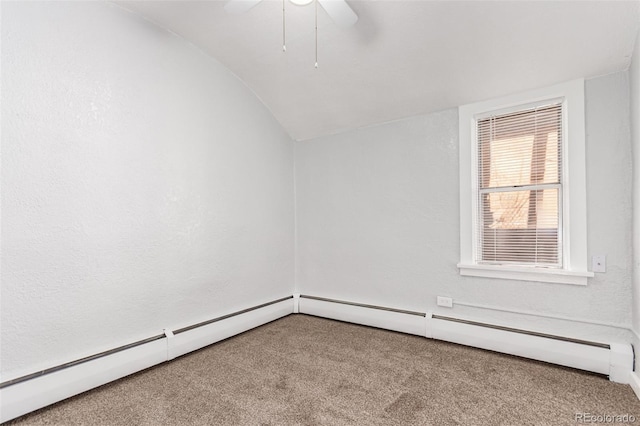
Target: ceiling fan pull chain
284	44
316	4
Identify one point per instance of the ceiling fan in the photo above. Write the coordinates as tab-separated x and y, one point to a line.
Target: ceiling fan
339	11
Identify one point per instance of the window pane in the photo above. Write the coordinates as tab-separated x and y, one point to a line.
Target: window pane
520	227
520	149
519	187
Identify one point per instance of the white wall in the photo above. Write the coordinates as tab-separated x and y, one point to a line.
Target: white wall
378	222
143	185
634	84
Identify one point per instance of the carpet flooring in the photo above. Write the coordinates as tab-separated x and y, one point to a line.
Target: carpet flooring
303	370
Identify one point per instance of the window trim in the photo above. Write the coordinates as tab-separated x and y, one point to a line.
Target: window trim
574	216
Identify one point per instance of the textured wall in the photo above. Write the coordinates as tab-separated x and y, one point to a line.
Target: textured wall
378	222
634	83
143	185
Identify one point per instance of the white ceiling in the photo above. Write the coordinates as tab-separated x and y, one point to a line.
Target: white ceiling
402	58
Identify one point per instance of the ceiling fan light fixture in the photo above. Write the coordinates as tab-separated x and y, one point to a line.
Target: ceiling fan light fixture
301	2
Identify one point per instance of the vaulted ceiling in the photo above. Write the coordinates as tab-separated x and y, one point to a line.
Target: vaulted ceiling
402	58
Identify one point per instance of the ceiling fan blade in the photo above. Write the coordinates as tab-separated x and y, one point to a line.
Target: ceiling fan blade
237	7
340	12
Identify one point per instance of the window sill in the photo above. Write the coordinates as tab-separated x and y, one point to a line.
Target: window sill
559	276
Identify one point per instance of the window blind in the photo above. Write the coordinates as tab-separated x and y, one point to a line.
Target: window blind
520	187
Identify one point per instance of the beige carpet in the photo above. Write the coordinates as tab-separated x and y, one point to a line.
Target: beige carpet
308	371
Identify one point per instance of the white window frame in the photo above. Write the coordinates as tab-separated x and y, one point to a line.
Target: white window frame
574	198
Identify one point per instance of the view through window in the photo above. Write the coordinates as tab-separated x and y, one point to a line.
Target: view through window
520	187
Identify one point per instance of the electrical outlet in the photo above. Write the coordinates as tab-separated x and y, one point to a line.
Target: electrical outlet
447	302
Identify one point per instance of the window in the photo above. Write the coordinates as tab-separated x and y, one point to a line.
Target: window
522	187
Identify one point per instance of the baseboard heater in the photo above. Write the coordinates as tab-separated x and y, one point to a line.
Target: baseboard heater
30	392
404	321
612	359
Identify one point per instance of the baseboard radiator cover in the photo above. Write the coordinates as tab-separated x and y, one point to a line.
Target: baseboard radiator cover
358	313
635	383
28	393
409	322
612	359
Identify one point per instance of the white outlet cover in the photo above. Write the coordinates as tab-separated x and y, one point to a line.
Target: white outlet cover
447	302
599	263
